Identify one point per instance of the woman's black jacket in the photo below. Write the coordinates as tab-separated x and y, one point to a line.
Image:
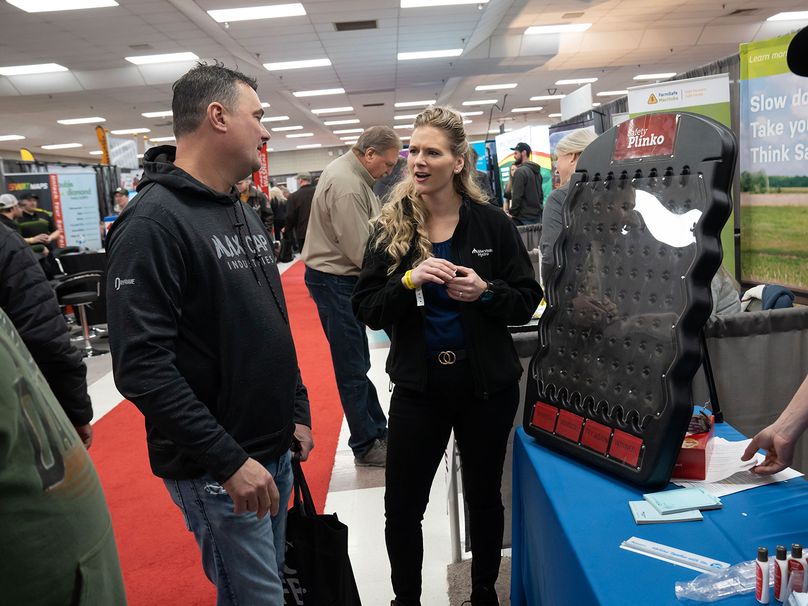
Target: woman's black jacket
486	240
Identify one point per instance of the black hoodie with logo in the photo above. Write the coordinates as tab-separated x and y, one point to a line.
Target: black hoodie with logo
526	193
199	332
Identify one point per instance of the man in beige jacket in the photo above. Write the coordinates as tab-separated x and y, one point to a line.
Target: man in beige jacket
338	231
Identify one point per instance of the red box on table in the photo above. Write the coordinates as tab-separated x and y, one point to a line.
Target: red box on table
694	457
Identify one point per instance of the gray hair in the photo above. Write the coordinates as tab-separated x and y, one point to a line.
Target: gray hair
576	141
380	138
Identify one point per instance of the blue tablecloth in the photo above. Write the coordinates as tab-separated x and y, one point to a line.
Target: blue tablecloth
569	521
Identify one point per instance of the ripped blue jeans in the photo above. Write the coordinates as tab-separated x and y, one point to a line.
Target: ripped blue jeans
242	555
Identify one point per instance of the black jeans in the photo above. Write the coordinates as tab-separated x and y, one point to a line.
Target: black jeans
418	432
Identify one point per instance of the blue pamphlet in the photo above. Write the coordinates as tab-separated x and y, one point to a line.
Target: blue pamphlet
682	499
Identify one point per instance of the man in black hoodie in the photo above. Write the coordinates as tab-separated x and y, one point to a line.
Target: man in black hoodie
194	298
526	191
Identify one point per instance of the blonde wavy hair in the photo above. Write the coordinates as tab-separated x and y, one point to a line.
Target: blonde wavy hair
403	219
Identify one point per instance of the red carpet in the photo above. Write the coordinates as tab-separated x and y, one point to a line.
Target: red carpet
160	560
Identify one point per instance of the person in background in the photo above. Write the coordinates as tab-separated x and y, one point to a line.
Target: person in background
30	302
526	192
506	195
567	152
277	200
120	198
200	337
385	185
339	226
9	211
298	209
452	359
779	438
255	199
480	177
57	533
37	222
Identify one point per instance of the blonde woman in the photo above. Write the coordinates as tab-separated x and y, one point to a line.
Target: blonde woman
567	152
448	273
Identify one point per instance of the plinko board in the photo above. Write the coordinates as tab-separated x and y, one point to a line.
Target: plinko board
629	296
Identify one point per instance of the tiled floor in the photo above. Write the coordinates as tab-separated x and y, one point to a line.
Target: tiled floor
355	494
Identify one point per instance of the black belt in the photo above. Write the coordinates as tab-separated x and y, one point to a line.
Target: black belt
448	357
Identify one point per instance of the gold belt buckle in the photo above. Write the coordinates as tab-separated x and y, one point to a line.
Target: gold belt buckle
447	358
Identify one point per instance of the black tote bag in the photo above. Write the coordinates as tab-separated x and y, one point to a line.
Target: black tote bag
318	570
286	252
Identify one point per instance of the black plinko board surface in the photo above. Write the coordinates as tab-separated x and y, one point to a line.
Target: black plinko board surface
619	340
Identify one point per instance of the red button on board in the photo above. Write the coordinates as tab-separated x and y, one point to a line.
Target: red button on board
625	447
596	436
569	425
544	416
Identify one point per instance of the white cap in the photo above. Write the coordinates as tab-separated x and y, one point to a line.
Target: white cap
7	201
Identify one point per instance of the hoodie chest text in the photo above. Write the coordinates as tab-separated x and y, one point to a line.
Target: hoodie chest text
230	250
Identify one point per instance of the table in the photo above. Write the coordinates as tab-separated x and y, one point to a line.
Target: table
569	520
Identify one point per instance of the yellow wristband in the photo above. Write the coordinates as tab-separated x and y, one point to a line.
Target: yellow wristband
408	280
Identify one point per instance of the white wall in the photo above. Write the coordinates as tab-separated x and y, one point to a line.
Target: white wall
293	162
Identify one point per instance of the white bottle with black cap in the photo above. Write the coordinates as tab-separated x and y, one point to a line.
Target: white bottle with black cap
781	574
796	569
762	576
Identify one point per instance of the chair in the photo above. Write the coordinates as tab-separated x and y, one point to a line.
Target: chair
80	290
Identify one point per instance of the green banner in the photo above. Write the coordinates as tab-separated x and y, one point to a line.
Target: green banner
765	58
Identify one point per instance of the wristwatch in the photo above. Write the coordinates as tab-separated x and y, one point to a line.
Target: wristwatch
488	293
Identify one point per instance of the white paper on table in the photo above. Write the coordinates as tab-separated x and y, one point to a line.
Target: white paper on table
727	474
725	459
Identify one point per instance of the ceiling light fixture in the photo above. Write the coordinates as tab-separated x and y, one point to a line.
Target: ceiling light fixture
426	3
348	131
274	118
62	146
414	103
790	16
162	139
309	146
576	81
404	126
97	152
477	113
299	135
612	93
405	138
467	121
319	92
662	76
271	67
561	28
130	131
406	116
25	70
522	110
434	54
11	137
163	114
281	129
264	104
554	115
332	110
254	13
480	102
71	121
596	104
349	138
164	58
547	97
338	122
47	6
495	86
